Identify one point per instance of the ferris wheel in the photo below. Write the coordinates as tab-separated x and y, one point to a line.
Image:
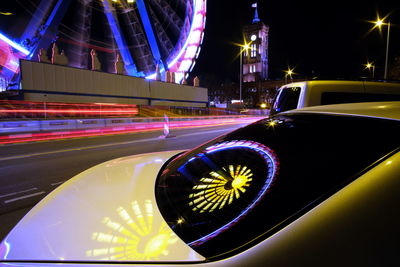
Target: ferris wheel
151	37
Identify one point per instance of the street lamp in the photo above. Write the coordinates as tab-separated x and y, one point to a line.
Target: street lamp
289	72
243	48
370	65
379	23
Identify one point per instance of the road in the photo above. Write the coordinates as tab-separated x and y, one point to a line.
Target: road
29	171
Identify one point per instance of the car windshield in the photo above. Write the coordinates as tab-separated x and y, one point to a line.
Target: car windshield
242	187
286	99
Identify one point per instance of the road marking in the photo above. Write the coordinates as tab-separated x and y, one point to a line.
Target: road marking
102	146
53	184
198	133
23	197
15	193
77	149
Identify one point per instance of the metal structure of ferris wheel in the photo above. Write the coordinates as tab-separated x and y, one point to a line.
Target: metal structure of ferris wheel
150	36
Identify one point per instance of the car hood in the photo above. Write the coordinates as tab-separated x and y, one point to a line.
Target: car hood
107	212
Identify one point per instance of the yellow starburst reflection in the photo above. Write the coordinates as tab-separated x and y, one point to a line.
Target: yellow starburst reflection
217	191
272	123
135	236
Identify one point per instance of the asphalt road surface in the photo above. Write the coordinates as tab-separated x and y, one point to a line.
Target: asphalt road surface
29	171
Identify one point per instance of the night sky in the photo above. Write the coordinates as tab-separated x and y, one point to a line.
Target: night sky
318	38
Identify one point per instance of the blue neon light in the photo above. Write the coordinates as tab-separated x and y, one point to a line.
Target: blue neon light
121	43
149	32
48	34
37	19
14	45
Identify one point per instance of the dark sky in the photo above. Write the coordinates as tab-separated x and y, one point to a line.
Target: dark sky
317	38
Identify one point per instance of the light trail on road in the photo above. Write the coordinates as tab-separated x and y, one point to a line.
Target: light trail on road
134	128
98	146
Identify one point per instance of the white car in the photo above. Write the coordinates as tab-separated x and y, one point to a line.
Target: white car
326	92
318	186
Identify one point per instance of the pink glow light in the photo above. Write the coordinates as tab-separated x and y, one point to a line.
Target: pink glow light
7	57
195	37
69	111
135	128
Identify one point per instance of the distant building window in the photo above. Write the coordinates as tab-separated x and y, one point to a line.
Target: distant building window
253	50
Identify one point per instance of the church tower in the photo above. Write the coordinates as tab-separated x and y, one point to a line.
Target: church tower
255	60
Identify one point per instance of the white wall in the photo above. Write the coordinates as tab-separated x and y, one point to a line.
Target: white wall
47	82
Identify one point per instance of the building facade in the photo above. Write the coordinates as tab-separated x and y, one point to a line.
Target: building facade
255	60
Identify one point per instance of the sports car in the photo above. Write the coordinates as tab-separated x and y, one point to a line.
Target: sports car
318	186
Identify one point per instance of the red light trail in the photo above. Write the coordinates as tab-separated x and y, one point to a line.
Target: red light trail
135	128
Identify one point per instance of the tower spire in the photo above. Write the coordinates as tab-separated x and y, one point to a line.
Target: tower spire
255	19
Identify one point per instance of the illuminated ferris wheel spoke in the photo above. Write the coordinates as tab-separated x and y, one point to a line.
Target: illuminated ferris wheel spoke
223	183
149	31
120	229
129	221
173	20
217	191
165	43
150	36
168	39
119	243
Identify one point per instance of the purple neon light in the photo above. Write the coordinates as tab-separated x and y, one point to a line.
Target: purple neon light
4	250
266	154
185	59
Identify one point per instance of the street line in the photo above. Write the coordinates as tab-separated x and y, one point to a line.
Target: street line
14	193
53	184
76	149
198	133
23	197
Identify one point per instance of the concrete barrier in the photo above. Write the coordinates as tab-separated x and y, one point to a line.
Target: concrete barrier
19	126
51	125
90	123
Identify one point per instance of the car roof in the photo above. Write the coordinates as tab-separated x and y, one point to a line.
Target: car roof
387	110
374	84
389	83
